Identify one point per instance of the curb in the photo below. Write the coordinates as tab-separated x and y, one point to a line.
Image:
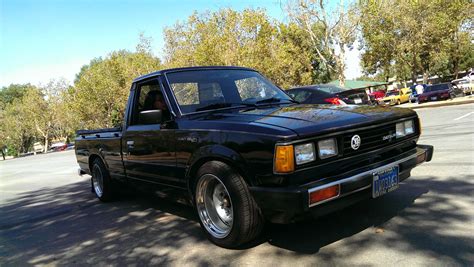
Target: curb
469	101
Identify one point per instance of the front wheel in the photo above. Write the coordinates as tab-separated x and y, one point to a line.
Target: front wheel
227	211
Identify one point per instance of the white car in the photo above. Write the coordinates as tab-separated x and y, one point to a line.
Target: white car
38	147
465	84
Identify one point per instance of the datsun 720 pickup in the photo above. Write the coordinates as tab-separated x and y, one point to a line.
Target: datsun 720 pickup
241	151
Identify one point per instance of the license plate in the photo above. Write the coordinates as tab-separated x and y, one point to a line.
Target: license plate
357	100
434	98
385	181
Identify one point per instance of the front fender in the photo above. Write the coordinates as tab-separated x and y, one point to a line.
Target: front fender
215	152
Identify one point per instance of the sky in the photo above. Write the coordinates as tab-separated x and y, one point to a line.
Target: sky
42	40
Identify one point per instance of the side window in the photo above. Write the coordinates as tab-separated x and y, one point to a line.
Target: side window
250	87
148	97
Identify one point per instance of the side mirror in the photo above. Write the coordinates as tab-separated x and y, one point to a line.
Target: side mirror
150	116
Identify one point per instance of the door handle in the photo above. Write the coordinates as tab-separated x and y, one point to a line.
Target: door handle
130	144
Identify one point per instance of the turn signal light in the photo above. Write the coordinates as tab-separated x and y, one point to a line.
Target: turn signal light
421	158
334	101
284	159
324	194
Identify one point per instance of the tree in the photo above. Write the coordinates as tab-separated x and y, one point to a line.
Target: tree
249	38
17	128
12	92
409	38
16	131
101	89
331	32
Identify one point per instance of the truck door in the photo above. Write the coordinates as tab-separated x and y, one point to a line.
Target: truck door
149	145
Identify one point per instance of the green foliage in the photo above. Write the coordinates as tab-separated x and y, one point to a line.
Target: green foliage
100	92
248	38
17	129
409	38
12	92
36	115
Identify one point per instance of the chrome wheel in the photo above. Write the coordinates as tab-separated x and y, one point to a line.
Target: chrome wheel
214	206
98	181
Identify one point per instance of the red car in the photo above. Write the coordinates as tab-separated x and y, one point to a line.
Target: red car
377	95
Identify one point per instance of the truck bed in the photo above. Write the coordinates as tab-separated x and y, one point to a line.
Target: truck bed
106	143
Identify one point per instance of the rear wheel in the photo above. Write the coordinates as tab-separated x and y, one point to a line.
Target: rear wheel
227	211
100	181
398	102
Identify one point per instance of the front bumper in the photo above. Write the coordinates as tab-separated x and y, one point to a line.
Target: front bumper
284	205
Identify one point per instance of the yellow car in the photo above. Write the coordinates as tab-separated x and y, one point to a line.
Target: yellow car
397	97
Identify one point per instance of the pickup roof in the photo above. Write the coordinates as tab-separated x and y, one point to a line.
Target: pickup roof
241	151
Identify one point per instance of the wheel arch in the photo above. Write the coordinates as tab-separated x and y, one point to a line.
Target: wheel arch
92	158
214	153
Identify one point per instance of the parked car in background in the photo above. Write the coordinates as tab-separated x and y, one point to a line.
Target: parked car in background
60	146
435	92
377	95
38	147
466	85
416	90
329	94
397	97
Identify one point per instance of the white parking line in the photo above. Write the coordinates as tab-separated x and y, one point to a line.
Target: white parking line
463	116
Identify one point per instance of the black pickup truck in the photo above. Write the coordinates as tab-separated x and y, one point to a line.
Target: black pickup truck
241	151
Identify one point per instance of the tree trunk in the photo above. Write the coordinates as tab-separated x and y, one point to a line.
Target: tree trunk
425	77
341	66
46	144
414	74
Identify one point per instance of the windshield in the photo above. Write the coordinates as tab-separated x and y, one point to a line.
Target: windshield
392	93
200	90
461	82
437	87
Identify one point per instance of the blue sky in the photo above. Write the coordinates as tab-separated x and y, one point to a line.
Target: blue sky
48	39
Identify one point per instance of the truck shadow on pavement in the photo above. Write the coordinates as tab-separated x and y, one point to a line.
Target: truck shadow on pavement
67	225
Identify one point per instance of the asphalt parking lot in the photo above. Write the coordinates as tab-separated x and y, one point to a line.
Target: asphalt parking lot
49	216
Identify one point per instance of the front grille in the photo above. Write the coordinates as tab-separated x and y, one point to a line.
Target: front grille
370	138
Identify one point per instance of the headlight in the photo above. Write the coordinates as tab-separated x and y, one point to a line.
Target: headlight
409	128
304	153
327	148
404	128
400	129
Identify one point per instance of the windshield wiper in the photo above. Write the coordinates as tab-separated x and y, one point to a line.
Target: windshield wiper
214	106
224	105
274	100
268	100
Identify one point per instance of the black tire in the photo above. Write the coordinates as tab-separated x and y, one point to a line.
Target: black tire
398	102
101	182
247	219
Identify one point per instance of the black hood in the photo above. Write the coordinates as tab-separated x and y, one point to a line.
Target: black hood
306	120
